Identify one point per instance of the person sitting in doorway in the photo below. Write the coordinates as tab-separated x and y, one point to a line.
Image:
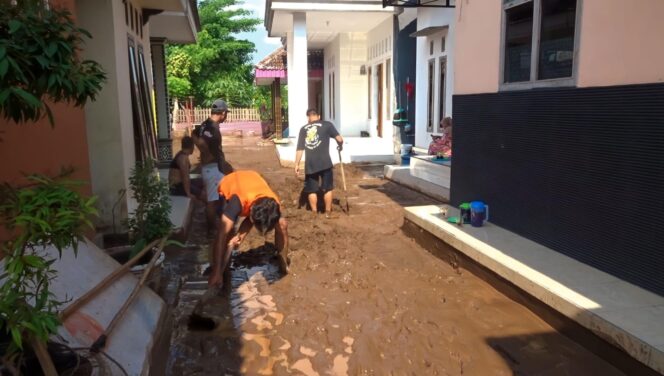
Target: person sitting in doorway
314	143
179	182
442	145
246	194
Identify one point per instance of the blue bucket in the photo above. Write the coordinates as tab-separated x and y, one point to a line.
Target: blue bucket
405	160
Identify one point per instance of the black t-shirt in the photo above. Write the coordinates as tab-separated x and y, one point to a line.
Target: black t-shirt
209	132
314	139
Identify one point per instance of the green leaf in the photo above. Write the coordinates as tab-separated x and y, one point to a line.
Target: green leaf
51	49
3	52
4	67
29	98
14	25
16	336
33	260
4	94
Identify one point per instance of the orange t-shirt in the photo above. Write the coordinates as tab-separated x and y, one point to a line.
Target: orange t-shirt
248	186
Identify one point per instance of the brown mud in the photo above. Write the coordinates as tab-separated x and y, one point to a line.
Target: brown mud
362	298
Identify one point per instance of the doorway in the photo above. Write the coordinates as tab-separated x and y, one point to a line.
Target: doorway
379	108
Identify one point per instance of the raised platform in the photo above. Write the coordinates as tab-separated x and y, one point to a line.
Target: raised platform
427	167
181	209
402	175
624	315
356	150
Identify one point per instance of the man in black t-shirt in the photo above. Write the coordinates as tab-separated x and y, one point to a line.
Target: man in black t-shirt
314	142
207	138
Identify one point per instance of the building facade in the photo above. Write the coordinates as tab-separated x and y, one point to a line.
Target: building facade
103	140
559	126
357	89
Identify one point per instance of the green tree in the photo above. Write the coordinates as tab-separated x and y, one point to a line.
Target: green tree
219	64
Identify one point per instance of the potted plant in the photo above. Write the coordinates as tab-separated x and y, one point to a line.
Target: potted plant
151	218
46	213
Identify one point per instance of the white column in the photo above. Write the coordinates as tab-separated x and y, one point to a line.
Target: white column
298	88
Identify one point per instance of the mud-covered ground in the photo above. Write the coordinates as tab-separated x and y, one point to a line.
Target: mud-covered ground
361	299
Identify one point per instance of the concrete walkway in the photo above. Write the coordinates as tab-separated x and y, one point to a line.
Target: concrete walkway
621	313
356	149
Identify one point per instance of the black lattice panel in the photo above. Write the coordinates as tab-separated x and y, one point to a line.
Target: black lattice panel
578	170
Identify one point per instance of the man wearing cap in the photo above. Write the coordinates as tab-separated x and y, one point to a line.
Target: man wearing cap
208	140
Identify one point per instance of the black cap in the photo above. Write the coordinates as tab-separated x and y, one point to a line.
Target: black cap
219	106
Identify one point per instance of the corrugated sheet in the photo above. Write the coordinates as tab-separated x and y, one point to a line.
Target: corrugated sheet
578	170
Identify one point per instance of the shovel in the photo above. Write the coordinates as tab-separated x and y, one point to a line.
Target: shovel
343	179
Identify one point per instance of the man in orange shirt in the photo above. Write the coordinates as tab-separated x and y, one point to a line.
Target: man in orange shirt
246	194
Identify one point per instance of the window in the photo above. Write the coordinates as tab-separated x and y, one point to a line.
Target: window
539	40
144	137
442	86
334	98
556	52
430	98
431	48
329	96
388	87
370	75
442	44
518	42
126	8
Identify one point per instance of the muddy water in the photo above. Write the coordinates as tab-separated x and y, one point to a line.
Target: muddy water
361	299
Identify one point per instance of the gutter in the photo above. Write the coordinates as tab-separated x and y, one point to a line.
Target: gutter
269	17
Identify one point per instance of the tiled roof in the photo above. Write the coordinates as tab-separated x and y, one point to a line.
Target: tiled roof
274	61
277	60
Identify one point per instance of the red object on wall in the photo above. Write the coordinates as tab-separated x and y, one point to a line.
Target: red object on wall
410	88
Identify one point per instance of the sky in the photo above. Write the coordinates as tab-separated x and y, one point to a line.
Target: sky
264	45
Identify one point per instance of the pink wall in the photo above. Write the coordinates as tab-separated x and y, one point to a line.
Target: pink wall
622	42
477	46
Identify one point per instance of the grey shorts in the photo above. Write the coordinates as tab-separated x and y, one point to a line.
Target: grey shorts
211	178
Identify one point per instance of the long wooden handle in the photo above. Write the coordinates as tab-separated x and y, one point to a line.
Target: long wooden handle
105	283
100	343
343	175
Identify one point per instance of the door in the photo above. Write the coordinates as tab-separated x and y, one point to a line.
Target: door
379	108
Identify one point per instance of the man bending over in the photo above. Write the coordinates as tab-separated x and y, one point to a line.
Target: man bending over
246	194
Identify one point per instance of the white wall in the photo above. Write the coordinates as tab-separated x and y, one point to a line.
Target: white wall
353	85
109	119
433	17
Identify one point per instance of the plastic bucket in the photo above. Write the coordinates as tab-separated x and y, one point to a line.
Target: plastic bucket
406	149
479	212
405	160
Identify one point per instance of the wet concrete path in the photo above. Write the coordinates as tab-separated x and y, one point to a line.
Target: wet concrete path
361	299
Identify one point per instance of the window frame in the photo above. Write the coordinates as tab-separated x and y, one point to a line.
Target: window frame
431	95
442	91
535	44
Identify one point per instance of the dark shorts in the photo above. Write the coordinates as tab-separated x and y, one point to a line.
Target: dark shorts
195	185
230	208
319	181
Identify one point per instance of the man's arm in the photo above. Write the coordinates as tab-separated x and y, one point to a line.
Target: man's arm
221	253
300	150
340	142
281	242
298	159
183	164
242	233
